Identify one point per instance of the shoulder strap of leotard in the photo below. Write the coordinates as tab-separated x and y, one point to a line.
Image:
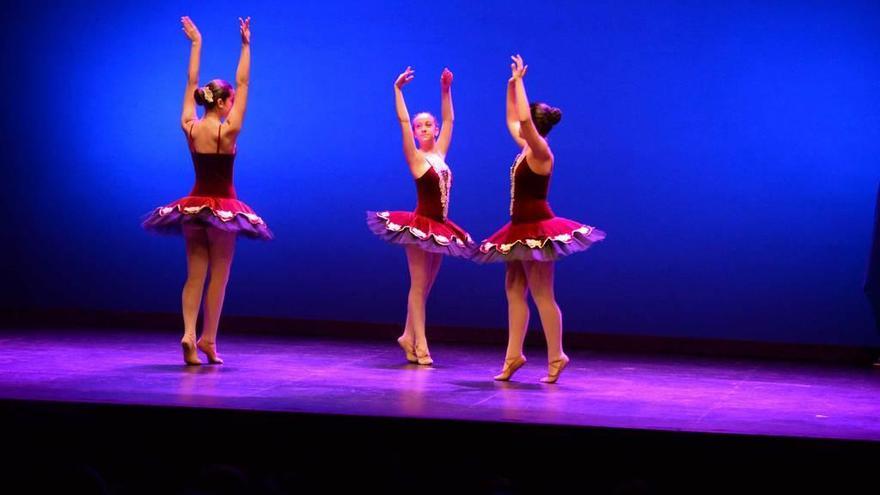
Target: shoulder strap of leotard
219	128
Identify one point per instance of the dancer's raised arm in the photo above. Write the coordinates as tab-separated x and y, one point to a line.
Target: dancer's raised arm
512	115
235	119
446	112
540	151
409	146
188	115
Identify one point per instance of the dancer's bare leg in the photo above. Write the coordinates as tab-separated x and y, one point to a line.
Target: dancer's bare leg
517	290
197	259
221	247
540	277
420	273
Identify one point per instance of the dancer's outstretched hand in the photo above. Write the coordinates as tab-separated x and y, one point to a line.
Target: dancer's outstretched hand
245	27
518	68
405	77
446	79
190	30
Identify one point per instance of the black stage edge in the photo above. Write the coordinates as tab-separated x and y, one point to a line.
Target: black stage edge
95	448
77	318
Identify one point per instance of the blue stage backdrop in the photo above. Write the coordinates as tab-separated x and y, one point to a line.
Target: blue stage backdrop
729	149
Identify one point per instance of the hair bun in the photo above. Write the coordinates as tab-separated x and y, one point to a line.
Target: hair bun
199	95
555	115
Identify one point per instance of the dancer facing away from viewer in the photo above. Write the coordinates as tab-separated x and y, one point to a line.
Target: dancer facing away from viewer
534	238
211	216
426	233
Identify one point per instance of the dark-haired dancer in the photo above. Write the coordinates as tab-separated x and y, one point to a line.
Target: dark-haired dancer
211	216
426	233
534	238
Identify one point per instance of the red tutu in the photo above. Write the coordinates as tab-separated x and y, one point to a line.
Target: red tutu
404	227
544	240
228	214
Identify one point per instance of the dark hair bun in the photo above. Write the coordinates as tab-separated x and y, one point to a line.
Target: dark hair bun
554	116
544	117
199	95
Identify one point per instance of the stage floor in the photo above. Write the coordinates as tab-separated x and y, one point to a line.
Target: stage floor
370	378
